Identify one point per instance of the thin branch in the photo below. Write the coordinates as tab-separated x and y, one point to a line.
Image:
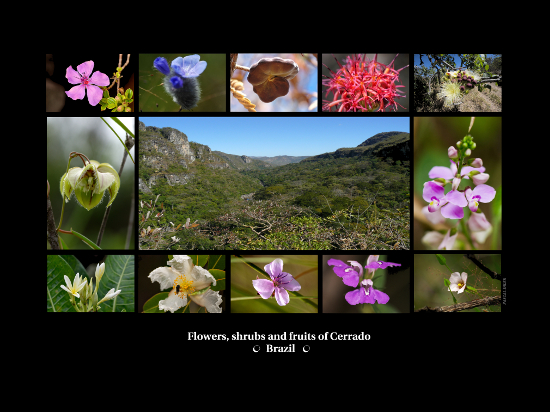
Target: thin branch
492	300
50	219
494	275
129	144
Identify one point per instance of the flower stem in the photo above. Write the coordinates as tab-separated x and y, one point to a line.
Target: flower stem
467	233
246	69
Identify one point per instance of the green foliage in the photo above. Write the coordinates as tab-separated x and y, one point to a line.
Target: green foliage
354	198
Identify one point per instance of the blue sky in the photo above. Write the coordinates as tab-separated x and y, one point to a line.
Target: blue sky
277	136
427	63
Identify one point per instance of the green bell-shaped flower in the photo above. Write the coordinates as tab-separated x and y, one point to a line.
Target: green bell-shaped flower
90	183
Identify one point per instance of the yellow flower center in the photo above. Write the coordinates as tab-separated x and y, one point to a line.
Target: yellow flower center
183	286
460	284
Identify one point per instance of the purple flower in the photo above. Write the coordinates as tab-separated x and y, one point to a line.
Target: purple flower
367	294
435	195
349	275
86	82
280	282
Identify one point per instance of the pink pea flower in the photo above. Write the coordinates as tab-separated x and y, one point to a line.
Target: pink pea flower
435	195
481	193
86	82
280	282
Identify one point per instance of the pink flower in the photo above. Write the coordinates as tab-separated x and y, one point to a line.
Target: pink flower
280	282
86	82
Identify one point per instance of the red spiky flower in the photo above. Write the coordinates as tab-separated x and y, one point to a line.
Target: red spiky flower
363	85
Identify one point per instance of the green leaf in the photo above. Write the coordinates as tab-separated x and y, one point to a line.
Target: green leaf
63	244
441	260
123	125
219	275
152	305
111	103
56	270
216	262
86	240
129	93
75	264
447	282
125	128
199	260
119	275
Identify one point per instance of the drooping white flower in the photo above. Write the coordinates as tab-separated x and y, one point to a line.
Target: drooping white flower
186	280
458	282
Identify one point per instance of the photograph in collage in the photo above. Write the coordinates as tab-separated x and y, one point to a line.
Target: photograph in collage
458	283
274	284
458	83
87	84
365	82
186	83
286	183
90	282
264	82
457	183
181	283
366	283
91	186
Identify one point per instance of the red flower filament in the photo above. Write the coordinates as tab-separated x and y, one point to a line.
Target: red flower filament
363	85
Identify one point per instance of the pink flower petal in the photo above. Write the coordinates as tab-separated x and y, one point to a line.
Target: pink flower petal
441	171
94	94
457	198
72	76
451	211
281	296
100	79
77	92
264	287
86	68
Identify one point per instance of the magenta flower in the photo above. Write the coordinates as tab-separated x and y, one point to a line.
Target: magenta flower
349	275
367	294
280	282
86	82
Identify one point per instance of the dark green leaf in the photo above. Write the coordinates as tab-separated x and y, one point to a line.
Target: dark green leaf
56	270
441	259
119	275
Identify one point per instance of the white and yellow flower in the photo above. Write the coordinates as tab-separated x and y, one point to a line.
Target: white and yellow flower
186	280
75	286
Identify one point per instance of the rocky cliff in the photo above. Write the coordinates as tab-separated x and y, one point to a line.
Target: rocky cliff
167	153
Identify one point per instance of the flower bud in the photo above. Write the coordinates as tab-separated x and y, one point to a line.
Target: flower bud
452	152
468	152
480	178
477	162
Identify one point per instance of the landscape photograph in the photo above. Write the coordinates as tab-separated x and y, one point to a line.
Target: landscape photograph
290	183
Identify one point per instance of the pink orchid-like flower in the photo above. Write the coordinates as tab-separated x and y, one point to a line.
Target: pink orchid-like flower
85	80
367	294
350	274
